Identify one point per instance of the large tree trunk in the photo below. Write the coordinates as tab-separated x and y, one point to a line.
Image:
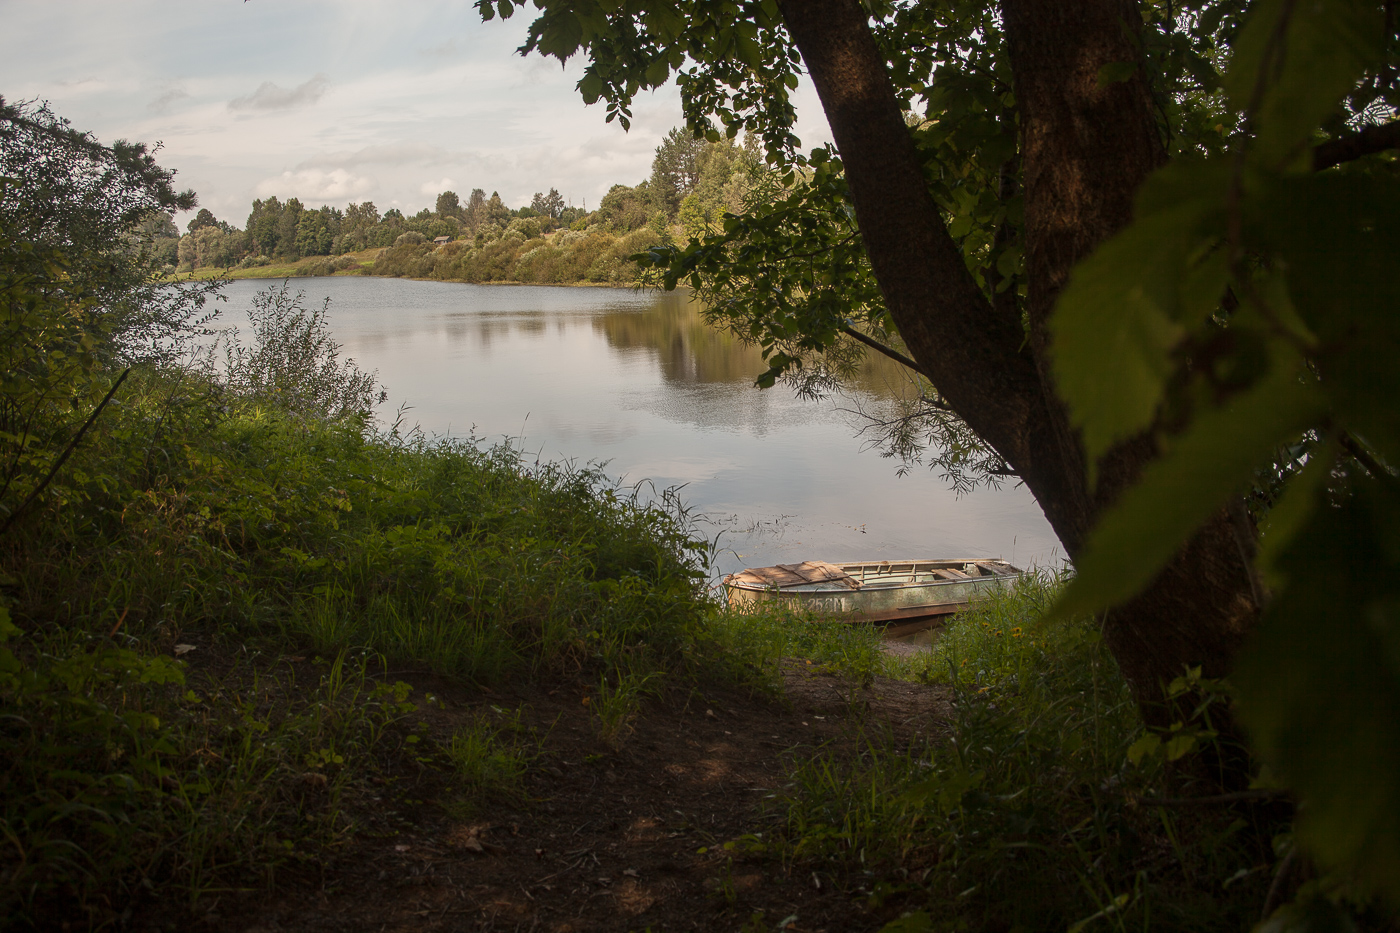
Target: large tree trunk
1085	150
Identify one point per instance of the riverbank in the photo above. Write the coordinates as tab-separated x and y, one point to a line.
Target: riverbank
563	257
305	676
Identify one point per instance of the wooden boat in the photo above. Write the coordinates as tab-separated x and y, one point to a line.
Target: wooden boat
888	592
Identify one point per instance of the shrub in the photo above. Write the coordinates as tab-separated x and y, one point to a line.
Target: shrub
294	364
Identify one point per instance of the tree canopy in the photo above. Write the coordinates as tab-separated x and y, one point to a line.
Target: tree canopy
1144	253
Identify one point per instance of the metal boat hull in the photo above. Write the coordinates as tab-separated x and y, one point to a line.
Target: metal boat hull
885	592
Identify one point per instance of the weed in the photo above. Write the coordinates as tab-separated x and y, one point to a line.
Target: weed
615	705
1031	815
128	771
766	635
191	516
489	765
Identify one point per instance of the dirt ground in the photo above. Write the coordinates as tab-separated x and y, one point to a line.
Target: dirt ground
626	838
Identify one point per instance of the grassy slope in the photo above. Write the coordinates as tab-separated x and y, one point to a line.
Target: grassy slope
309	564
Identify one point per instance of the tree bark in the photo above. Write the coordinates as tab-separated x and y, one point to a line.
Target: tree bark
1085	150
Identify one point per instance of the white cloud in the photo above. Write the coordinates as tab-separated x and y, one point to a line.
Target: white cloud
87	81
446	49
403	94
162	103
315	185
269	96
395	154
434	188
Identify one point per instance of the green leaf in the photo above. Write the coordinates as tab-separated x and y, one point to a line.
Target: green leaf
590	86
657	72
1297	69
1146	744
1293	509
1337	236
560	34
1180	745
1320	684
1214	459
665	21
1116	324
1116	73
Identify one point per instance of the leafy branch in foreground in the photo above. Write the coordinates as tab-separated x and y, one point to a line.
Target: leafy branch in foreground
1250	308
64	191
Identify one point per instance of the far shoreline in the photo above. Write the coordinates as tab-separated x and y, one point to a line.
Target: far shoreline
366	262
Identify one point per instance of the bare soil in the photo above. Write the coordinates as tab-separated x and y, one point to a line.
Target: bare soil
622	837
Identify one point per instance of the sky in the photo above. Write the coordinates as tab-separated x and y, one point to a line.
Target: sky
333	101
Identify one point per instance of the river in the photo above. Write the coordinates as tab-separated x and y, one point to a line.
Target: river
639	381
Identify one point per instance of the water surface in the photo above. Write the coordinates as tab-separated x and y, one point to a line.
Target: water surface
638	380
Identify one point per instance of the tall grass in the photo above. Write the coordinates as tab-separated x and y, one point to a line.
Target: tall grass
1030	815
199	517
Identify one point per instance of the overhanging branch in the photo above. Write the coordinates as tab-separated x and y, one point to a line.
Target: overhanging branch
879	347
1355	145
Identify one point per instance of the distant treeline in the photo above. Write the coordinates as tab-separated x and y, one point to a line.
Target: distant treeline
692	183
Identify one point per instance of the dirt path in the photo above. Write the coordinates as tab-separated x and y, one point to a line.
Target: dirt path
627	839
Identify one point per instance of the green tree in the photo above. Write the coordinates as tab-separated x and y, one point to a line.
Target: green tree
626	209
158	229
205	218
548	205
288	226
494	211
357	227
264	222
315	233
448	205
104	209
474	214
80	292
1137	376
675	170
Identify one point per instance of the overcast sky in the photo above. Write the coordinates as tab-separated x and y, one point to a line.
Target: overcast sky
331	101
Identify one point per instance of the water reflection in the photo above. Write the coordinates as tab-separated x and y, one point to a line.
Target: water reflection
640	381
688	350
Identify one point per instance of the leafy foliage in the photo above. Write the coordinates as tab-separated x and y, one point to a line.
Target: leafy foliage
1242	326
67	193
233	512
294	364
1250	308
1039	810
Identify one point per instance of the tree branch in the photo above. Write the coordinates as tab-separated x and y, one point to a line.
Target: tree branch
63	457
972	353
879	347
1352	446
1355	145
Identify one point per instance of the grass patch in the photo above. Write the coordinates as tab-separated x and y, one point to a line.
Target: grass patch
1031	816
252	534
769	634
490	757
